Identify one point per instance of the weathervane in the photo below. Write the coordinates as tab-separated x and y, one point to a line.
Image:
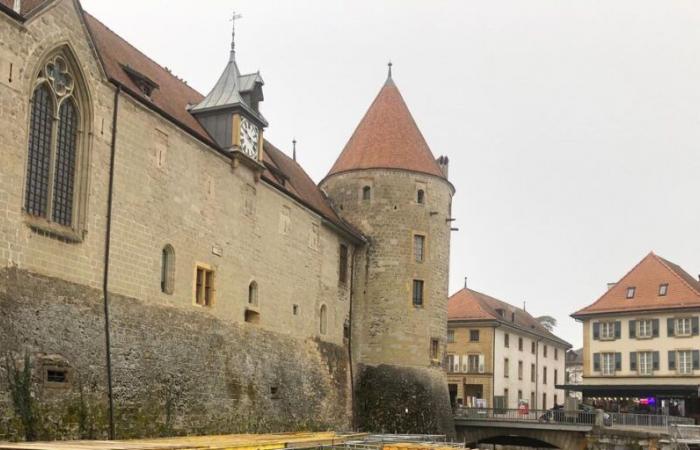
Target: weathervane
233	19
389	64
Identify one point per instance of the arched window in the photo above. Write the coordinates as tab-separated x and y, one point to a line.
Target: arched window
366	193
53	183
420	196
167	270
253	293
323	320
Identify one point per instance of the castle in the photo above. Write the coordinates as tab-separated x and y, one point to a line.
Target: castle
158	255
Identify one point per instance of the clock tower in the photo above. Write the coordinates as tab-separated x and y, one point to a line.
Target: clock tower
230	113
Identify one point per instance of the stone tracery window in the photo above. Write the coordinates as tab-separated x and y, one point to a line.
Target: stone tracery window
53	156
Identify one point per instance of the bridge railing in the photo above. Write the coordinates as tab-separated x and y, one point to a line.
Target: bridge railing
626	420
557	416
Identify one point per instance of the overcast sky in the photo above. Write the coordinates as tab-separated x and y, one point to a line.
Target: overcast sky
572	127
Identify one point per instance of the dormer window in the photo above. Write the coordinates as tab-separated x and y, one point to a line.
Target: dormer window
145	84
630	291
501	312
663	289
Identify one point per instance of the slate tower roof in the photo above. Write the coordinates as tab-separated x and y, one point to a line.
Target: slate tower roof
387	138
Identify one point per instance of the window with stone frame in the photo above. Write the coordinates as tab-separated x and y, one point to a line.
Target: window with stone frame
419	247
418	293
434	349
506	367
55	168
204	286
473	335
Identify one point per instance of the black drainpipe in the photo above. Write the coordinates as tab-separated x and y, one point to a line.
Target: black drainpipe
105	277
352	376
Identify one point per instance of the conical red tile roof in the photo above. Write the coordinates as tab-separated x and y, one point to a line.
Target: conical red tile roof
387	138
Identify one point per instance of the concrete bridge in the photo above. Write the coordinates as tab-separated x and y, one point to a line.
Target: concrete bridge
576	430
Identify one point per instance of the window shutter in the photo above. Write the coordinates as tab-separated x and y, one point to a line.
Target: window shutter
655	361
618	329
694	322
633	329
481	364
596	330
633	361
696	359
596	362
671	359
655	327
618	360
669	327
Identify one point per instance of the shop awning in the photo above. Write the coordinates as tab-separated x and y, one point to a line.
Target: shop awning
627	390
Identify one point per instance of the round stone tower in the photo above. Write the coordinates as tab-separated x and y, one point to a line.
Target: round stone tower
388	184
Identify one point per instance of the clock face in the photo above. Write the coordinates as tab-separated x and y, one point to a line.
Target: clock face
249	138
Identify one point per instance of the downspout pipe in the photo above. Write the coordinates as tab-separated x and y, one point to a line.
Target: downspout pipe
352	291
105	276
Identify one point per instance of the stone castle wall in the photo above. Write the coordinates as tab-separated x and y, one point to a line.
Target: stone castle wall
174	371
169	189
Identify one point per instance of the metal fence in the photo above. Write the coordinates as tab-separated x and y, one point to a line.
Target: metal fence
528	415
626	420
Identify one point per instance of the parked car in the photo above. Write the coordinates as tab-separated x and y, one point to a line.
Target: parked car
585	415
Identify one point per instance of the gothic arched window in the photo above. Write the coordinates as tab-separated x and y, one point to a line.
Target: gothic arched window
253	293
53	156
167	270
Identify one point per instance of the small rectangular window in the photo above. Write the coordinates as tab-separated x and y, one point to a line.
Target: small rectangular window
520	370
474	335
343	264
506	368
418	247
544	375
532	372
417	292
56	376
556	353
544	351
532	347
506	340
434	349
204	289
630	291
450	336
520	344
663	289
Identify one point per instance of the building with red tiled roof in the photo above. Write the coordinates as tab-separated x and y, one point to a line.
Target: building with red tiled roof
641	341
155	245
500	355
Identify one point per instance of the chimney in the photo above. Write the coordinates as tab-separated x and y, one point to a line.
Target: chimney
465	282
444	163
17	6
611	285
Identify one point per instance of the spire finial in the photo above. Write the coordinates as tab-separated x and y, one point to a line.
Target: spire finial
389	65
233	19
294	149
